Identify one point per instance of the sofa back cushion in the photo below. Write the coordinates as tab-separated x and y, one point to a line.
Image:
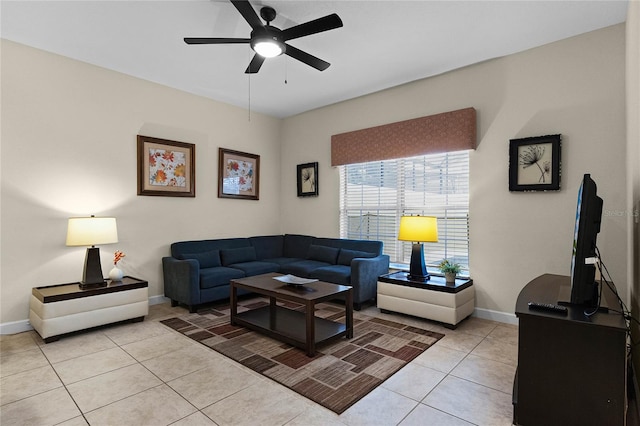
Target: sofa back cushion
237	255
374	247
186	247
207	259
346	256
268	247
323	254
296	245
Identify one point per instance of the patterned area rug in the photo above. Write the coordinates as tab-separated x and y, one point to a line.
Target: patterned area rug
343	370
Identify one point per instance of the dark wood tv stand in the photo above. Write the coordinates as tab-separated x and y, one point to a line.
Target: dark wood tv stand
572	369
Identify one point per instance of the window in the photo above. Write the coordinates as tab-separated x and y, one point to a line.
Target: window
375	195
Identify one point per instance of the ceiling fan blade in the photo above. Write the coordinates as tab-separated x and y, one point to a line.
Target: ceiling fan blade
214	40
308	59
255	64
319	25
248	13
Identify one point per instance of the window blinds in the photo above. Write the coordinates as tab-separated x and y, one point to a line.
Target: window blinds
376	194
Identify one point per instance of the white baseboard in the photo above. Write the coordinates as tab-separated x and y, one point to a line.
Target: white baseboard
488	314
157	300
15	327
24	325
21	326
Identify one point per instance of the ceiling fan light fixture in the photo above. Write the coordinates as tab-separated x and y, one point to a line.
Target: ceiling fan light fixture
268	41
267	47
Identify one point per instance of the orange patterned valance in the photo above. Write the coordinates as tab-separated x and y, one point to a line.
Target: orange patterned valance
449	131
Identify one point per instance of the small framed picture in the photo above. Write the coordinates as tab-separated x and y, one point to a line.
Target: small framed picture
166	168
308	179
238	175
534	163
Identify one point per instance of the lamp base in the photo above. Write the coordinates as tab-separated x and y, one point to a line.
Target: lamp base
92	274
418	277
417	268
86	286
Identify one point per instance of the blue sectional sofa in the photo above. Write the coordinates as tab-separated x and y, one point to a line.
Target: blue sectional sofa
199	272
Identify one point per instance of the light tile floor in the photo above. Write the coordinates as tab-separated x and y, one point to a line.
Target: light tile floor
147	374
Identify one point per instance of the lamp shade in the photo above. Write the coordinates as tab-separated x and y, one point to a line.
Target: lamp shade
89	231
423	229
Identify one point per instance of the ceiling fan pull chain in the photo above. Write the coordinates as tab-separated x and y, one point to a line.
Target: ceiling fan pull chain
249	101
286	69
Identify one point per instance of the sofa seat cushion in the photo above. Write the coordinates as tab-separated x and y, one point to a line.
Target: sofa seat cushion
256	268
215	277
337	274
303	268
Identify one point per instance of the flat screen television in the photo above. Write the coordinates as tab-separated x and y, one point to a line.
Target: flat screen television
584	289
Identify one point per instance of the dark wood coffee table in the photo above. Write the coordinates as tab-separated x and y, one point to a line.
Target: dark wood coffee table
300	329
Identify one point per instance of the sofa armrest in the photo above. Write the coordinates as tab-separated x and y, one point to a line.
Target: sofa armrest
365	273
181	280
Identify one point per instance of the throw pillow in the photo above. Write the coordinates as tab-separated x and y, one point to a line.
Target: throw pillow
323	254
346	256
207	259
238	255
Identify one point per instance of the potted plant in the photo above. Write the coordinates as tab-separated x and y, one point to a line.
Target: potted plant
450	270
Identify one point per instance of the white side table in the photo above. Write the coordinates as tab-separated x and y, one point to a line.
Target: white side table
433	299
63	308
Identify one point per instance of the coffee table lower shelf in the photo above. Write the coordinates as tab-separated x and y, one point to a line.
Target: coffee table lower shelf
289	326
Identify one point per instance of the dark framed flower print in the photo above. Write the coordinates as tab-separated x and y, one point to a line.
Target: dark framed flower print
534	163
308	180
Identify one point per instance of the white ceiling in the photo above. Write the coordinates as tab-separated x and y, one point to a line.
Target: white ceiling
382	44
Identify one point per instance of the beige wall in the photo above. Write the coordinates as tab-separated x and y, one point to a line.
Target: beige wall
69	148
574	87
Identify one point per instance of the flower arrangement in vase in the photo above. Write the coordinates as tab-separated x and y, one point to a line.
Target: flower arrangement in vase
116	274
450	270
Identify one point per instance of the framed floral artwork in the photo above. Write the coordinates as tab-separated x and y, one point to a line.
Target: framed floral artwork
166	168
534	163
238	175
308	179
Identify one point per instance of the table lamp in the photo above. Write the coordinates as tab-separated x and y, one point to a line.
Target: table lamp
418	229
89	231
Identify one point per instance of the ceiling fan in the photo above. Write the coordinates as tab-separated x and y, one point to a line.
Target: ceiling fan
268	41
